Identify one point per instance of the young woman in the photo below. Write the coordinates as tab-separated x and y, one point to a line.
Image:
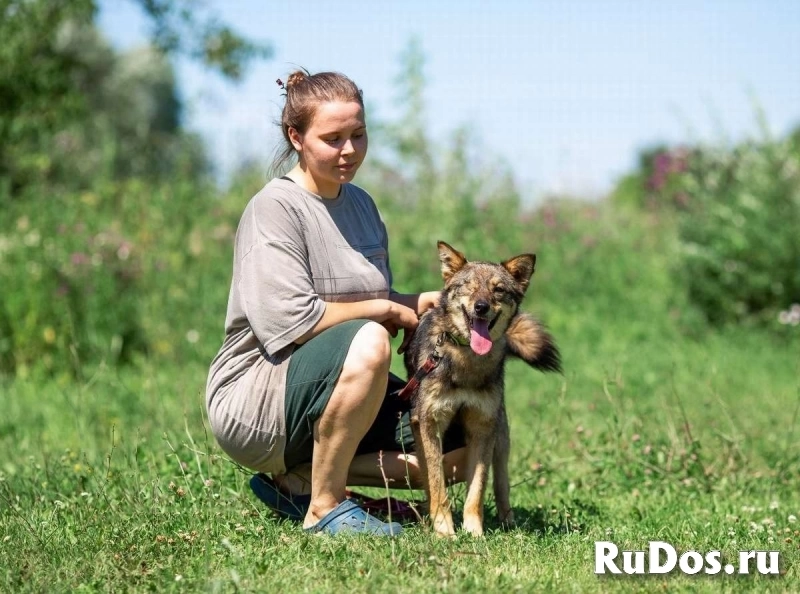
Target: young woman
300	389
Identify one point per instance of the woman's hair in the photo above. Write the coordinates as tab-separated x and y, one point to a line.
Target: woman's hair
304	93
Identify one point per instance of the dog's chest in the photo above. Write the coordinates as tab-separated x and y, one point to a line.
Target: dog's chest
449	401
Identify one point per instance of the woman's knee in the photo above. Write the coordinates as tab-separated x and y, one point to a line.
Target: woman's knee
370	350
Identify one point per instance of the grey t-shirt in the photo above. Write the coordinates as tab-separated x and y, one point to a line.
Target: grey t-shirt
293	252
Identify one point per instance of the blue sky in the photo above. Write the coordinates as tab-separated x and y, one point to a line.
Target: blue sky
566	91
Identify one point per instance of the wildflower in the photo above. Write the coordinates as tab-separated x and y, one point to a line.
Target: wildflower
192	336
124	251
792	519
49	335
791	316
33	238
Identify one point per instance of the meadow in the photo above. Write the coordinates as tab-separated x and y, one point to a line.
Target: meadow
660	429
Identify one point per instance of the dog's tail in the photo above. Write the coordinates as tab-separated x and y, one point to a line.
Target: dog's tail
528	339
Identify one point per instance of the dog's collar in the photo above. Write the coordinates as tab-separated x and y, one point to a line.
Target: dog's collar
455	339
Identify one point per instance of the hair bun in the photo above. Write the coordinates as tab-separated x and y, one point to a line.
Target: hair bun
295	78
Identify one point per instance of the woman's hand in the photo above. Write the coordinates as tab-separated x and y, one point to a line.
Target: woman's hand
417	302
401	317
427	300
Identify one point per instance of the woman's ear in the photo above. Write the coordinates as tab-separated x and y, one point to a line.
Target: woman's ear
295	139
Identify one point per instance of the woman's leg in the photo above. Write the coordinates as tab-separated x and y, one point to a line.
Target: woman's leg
397	469
351	409
401	471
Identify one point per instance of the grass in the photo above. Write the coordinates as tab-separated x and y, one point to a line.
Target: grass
115	484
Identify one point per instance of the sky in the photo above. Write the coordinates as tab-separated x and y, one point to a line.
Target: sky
566	92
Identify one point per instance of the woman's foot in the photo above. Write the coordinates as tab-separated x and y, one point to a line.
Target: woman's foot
296	481
291	506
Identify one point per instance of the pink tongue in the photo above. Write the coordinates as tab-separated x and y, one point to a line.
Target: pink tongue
479	339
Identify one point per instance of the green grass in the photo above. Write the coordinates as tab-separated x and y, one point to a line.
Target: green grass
115	484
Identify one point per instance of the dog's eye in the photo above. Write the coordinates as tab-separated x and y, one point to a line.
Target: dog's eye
499	291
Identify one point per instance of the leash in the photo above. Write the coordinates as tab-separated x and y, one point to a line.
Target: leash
430	364
412	385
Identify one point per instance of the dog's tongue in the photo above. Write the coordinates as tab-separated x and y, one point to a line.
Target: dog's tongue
479	339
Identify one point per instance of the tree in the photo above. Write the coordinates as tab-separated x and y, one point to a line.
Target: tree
65	93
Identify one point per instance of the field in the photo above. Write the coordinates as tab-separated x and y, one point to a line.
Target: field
113	483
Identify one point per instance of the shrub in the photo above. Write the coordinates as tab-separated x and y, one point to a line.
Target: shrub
739	228
736	215
127	269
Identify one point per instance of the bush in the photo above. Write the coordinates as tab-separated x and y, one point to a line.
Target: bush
736	213
740	231
127	269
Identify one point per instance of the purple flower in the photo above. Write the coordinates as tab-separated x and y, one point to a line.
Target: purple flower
79	259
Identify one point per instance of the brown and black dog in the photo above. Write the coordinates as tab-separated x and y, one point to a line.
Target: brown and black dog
462	345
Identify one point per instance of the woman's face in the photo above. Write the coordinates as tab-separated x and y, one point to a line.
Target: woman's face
333	147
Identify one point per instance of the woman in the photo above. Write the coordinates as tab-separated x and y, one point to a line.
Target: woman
300	388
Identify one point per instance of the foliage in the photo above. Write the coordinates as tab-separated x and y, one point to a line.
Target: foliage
74	110
39	101
100	186
180	26
122	269
740	231
736	213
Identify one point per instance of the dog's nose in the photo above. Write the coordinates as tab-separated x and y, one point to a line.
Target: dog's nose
481	308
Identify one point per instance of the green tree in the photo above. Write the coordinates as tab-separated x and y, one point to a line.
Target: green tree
64	92
104	202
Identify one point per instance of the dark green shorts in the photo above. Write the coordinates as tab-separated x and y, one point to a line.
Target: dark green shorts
313	371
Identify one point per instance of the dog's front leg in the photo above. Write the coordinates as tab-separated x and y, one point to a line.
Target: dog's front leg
480	446
502	488
427	434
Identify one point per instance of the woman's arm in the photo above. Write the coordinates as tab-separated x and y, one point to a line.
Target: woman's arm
389	313
419	302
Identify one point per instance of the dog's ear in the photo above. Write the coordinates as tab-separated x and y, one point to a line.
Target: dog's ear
527	339
452	260
521	268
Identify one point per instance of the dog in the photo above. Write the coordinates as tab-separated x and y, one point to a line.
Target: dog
456	362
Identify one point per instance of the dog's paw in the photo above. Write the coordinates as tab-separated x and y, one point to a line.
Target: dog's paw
444	529
473	525
507	519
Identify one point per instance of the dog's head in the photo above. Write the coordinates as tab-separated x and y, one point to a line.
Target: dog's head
482	298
